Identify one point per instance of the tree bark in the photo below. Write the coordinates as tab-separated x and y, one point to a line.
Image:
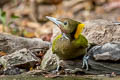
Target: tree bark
10	43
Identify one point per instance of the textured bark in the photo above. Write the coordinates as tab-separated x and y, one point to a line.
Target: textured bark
104	59
10	43
102	31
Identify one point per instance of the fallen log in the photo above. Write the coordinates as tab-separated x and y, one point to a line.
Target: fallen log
10	43
20	53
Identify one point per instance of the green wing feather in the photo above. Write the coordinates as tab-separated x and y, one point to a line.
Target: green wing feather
81	41
54	42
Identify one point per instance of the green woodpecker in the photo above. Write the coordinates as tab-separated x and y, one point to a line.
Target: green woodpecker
70	43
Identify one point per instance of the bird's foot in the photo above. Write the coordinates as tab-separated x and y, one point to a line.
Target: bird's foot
58	67
57	70
85	62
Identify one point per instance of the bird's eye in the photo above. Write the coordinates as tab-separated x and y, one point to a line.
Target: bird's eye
65	23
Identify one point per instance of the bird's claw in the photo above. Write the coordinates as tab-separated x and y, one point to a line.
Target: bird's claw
85	62
58	66
57	69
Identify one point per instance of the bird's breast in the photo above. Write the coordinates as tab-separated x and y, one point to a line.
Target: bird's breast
62	44
65	49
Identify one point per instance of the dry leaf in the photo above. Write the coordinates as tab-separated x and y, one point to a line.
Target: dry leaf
31	68
28	34
2	53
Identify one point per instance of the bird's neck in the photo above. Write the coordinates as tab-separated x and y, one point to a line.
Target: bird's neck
68	36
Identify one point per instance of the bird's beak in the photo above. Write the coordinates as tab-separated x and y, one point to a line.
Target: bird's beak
54	20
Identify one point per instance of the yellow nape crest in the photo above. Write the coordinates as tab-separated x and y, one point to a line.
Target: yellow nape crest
78	30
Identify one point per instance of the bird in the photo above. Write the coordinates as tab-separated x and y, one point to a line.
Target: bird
71	43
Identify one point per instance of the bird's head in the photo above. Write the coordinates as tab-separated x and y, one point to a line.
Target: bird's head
68	26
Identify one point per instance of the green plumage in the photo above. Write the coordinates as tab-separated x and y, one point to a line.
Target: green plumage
70	43
54	42
81	41
67	49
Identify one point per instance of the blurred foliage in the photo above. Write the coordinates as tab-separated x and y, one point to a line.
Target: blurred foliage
31	22
3	18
